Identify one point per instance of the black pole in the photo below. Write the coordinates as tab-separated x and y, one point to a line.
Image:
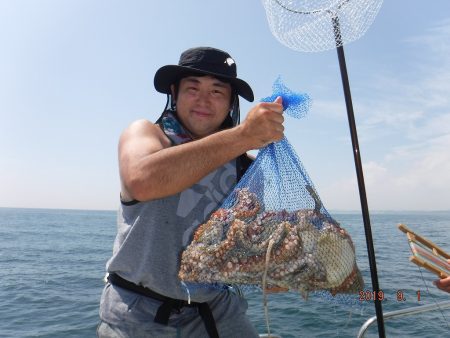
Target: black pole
360	176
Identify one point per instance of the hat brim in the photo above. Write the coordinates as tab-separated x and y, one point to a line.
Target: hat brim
168	75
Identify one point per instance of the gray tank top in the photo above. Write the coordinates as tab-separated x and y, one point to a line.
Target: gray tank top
152	235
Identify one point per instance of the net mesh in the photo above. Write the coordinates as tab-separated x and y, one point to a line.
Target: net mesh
317	25
273	228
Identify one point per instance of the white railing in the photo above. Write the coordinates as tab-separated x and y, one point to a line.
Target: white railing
401	313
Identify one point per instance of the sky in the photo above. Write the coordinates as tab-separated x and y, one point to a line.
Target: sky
75	73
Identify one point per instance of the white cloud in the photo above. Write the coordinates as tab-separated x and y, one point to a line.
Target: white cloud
423	185
411	119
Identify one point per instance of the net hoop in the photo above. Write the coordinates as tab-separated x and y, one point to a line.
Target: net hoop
312	26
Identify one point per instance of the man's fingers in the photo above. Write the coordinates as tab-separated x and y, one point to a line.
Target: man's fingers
278	100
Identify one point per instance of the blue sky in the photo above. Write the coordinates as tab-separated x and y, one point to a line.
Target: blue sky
75	73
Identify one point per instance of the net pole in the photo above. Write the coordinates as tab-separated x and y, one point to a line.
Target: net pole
359	174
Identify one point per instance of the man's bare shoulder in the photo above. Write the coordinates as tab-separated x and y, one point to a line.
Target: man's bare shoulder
142	127
138	141
145	130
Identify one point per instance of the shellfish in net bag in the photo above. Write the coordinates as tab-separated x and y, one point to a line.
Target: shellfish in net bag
273	228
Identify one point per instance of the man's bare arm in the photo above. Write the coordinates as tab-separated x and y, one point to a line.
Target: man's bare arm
151	169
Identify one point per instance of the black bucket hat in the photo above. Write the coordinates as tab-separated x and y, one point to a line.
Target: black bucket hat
202	61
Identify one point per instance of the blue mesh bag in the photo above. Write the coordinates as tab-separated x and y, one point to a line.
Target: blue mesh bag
273	228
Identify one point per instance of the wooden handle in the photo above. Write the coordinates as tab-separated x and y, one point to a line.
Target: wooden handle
413	236
430	267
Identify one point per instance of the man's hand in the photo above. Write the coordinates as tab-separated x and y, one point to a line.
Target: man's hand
443	283
264	124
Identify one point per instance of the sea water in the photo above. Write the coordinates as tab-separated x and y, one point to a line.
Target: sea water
52	263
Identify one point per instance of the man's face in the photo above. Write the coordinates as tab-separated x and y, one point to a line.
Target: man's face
203	103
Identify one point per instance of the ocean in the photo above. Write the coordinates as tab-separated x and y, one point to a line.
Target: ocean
52	263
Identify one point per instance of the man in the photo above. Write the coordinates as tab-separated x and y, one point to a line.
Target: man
174	174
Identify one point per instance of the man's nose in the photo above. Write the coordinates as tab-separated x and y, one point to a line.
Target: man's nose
204	97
